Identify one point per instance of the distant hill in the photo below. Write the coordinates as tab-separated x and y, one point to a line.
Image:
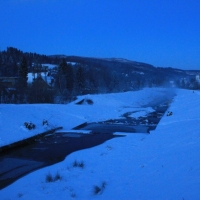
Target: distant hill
120	65
128	67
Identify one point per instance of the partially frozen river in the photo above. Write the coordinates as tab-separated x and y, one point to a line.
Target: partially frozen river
55	147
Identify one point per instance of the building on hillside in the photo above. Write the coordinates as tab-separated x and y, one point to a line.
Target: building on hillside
8	82
40	84
44	76
8	89
198	78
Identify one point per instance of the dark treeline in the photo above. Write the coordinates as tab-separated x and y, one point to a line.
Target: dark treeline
72	76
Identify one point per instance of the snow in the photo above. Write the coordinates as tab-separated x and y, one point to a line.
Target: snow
107	106
72	63
139	113
161	165
50	66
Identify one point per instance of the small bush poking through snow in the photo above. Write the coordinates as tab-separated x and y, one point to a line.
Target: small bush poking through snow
50	178
73	195
78	164
99	189
57	177
20	195
103	184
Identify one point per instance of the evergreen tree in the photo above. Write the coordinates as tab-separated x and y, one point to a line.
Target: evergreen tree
65	78
23	78
23	73
39	92
69	78
80	80
113	83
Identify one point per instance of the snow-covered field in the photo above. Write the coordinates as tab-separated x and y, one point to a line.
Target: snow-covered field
161	165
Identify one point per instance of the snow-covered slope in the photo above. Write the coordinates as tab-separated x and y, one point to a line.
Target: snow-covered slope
161	165
107	106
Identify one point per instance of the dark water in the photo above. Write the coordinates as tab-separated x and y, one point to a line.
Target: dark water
44	152
128	124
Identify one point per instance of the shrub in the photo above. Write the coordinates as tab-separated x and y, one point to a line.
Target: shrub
57	177
75	164
78	164
20	195
103	185
73	195
99	189
81	164
50	178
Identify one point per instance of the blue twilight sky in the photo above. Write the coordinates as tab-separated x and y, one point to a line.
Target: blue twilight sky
164	33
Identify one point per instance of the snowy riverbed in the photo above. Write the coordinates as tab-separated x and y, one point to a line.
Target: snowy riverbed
161	165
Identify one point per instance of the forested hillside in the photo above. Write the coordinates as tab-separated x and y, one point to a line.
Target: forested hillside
72	75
